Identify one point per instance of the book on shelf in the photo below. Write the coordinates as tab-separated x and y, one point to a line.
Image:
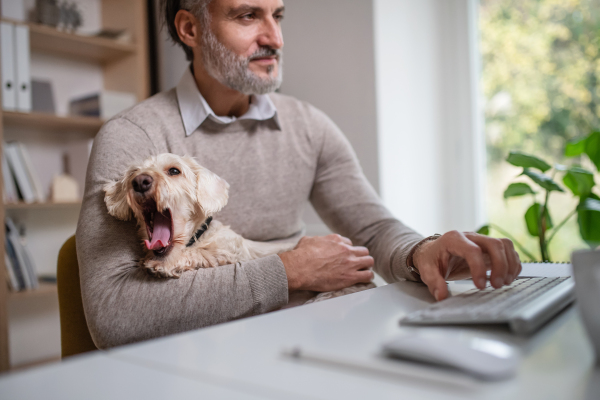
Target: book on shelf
19	259
26	183
15	282
10	189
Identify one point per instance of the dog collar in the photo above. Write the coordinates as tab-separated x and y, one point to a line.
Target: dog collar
199	232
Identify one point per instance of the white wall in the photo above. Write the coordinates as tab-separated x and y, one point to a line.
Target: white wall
431	145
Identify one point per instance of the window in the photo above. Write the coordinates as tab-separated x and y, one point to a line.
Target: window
541	84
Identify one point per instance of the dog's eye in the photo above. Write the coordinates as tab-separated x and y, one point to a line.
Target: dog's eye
174	171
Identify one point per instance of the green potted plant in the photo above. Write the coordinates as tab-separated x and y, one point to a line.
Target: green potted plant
577	179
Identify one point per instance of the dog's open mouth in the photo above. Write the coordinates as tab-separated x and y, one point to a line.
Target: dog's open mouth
159	226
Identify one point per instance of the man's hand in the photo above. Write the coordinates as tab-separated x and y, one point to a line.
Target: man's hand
458	255
326	263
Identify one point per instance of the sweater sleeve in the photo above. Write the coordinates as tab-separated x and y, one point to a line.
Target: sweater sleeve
124	304
349	205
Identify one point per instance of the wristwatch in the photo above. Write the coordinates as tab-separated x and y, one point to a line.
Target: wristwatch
409	260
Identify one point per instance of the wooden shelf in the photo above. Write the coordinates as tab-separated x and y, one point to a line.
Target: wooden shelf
50	40
44	290
88	125
41	206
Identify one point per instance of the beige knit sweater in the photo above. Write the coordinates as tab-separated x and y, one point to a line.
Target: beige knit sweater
272	173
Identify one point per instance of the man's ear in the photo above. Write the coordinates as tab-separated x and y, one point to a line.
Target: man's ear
116	200
212	191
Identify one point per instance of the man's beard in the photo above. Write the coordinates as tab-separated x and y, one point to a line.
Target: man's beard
232	70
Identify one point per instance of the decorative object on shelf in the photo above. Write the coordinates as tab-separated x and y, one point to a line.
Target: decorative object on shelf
580	182
118	35
47	12
42	97
70	17
64	187
104	104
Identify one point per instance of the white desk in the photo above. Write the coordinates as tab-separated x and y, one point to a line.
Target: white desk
245	357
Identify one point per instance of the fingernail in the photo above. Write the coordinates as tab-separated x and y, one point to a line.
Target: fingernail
481	282
508	279
498	282
435	294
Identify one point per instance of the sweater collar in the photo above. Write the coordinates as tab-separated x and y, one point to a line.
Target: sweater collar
195	110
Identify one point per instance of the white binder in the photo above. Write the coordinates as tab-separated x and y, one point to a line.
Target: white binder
13	9
7	53
22	58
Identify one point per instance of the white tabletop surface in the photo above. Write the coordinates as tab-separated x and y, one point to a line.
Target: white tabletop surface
243	359
100	377
558	360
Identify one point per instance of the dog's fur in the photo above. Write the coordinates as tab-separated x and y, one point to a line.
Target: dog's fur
188	199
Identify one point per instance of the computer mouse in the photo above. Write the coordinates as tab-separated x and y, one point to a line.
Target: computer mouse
484	358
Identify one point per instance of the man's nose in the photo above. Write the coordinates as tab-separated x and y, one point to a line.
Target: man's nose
142	183
271	34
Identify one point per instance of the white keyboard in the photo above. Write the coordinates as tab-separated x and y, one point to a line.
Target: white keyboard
524	305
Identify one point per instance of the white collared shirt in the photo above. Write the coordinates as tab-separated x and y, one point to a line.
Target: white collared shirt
194	108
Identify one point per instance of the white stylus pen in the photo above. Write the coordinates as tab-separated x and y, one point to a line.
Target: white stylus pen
383	367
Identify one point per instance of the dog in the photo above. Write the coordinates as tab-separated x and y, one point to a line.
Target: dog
174	199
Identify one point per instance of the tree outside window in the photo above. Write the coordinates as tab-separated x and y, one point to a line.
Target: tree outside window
541	84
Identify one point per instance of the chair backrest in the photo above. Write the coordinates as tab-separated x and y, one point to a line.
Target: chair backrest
75	336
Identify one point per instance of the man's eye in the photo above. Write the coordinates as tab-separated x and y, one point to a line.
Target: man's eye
174	171
247	17
279	17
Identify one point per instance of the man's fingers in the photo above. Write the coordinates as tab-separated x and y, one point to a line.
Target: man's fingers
364	276
514	263
364	262
359	251
431	276
495	249
459	245
339	238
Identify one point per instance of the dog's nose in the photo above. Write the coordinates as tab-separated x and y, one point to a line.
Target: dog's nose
142	183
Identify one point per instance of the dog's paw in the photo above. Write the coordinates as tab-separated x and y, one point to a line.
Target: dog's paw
158	269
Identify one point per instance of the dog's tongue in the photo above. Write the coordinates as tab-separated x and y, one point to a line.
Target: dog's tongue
161	232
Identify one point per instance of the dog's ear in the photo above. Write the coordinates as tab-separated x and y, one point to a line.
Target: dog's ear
212	191
116	200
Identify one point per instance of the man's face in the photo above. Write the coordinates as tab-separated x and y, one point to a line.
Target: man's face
242	47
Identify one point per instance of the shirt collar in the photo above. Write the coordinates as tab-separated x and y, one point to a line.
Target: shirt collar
195	110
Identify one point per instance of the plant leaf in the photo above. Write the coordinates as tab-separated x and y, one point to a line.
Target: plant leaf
517	189
580	181
519	159
543	180
588	216
592	148
484	230
532	219
575	147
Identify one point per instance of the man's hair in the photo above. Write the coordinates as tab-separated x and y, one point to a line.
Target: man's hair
169	10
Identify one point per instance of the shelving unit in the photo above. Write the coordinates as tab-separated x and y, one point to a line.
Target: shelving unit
51	122
125	67
45	290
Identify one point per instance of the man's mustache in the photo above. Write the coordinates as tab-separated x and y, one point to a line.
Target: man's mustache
265	51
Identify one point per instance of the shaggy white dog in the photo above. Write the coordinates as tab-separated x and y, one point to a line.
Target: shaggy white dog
174	199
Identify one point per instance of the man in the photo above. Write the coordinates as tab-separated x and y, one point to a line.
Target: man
276	152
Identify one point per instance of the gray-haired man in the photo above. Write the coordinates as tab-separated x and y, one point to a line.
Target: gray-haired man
277	153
